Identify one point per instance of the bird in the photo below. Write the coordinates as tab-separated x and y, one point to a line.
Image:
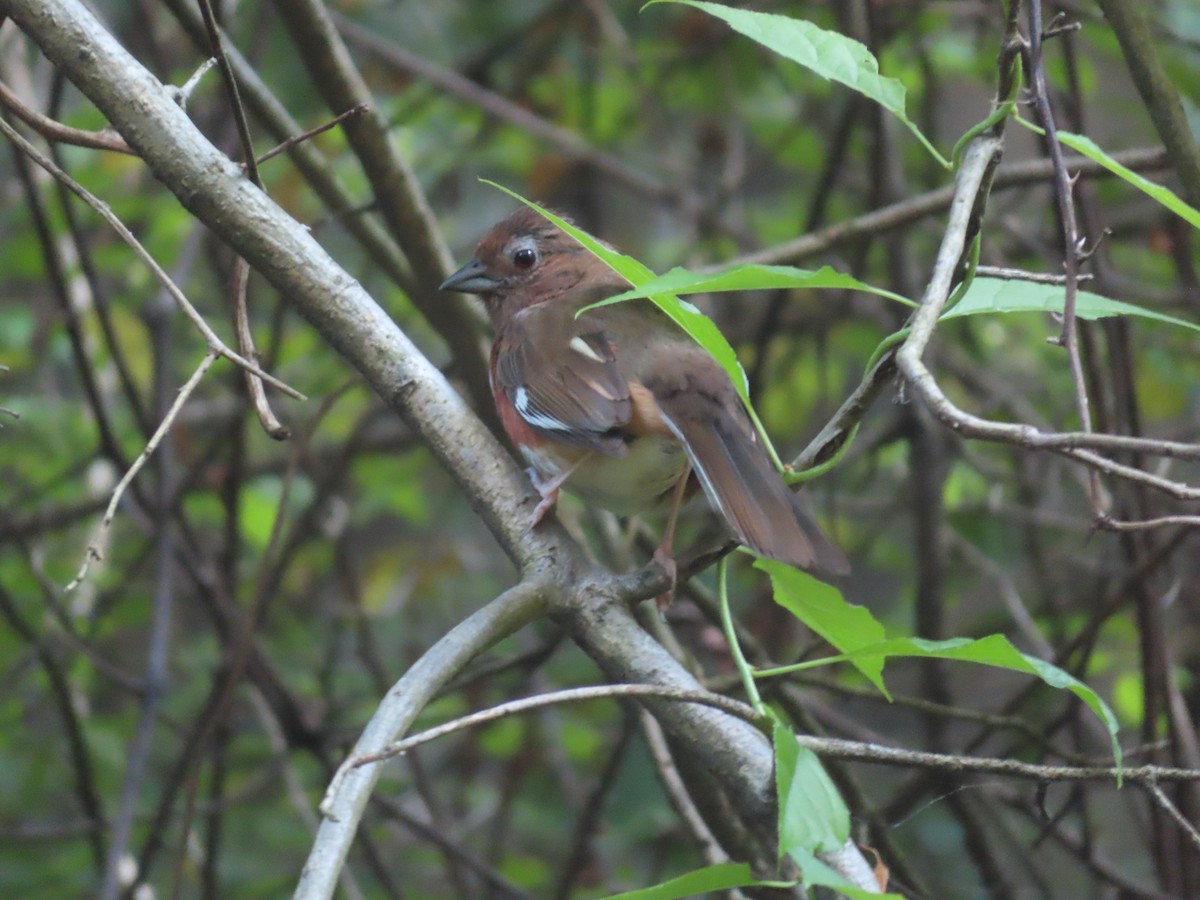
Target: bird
618	405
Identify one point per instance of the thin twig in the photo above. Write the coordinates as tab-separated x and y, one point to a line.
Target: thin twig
241	322
837	430
905	212
571	695
184	93
1023	275
95	547
231	87
57	132
1161	798
312	132
1106	523
859	751
241	269
677	792
215	344
1063	190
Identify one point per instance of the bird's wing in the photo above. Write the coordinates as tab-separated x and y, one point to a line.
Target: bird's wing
562	377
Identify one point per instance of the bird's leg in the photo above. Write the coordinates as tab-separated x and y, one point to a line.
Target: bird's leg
664	555
548	488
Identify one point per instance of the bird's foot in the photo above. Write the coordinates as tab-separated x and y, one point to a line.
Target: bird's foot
547	489
663	557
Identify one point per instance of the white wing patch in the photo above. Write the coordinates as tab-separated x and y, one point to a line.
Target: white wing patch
580	346
533	417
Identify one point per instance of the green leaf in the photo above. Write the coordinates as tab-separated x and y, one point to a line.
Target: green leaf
996	650
812	815
817	873
831	55
750	278
823	609
710	878
998	295
699	326
1089	148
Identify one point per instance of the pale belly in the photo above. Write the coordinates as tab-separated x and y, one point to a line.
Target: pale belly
624	484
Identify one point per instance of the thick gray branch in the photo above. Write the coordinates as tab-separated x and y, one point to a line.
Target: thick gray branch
351	787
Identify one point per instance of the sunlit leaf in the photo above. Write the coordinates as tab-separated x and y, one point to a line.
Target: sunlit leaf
999	295
996	650
812	814
751	278
1089	148
826	53
710	878
822	608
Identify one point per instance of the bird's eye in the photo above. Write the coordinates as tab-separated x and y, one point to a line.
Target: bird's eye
524	258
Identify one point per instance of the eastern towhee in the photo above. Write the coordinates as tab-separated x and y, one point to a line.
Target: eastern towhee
618	405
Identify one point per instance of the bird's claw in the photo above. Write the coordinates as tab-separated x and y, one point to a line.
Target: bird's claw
547	489
663	557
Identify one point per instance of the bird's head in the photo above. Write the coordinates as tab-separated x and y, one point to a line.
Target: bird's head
525	259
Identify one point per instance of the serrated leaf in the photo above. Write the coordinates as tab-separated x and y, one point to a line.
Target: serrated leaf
812	815
822	608
831	55
998	295
996	650
750	278
711	878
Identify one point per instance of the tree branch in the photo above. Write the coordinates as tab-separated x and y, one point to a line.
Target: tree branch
348	792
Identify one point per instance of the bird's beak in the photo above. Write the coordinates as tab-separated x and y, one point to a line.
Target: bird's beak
471	279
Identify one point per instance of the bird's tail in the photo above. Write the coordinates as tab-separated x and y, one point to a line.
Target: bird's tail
743	486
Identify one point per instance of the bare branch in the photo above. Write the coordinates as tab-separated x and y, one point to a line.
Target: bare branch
241	322
95	547
1072	242
214	343
348	792
59	133
905	212
1032	277
312	133
1074	446
858	751
570	695
1164	802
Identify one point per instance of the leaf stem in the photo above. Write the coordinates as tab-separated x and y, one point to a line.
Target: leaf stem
735	649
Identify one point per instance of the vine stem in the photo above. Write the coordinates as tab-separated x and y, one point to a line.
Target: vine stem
735	649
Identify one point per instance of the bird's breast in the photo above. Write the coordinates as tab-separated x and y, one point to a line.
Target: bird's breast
624	484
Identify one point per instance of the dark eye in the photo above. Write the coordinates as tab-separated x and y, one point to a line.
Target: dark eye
524	258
